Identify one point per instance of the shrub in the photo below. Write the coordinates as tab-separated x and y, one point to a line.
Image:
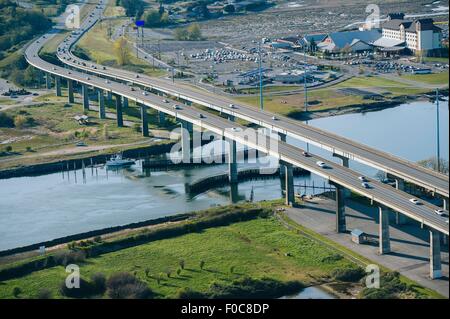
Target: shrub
6	120
181	263
348	274
202	264
126	286
85	290
390	288
98	281
66	257
16	292
188	293
44	293
20	121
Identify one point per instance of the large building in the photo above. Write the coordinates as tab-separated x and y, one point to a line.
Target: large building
395	35
417	35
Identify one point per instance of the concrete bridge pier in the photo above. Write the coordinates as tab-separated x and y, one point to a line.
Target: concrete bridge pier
231	118
48	81
125	102
161	118
341	225
280	163
70	91
144	120
384	237
289	184
435	255
58	85
232	162
85	95
345	163
445	203
101	105
109	97
119	115
234	192
185	142
343	158
400	219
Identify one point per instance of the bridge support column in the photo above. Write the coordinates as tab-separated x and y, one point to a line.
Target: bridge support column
400	219
185	142
280	163
345	160
109	97
48	81
58	85
435	255
231	118
119	115
341	225
101	105
161	118
289	184
85	94
125	102
384	237
70	91
445	203
144	120
232	162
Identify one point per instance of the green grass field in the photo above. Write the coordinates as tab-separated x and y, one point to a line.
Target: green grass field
435	78
254	248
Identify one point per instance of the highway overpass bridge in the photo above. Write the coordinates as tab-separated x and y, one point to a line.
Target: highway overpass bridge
385	196
344	148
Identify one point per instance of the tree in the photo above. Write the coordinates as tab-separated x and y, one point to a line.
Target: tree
229	8
122	51
194	31
152	18
181	34
432	163
20	121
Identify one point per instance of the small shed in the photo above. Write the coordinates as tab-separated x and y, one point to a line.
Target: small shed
358	236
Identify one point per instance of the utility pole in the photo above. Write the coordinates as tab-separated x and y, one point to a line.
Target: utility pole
305	76
261	97
438	151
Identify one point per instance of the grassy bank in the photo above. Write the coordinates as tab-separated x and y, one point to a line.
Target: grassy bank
47	131
228	251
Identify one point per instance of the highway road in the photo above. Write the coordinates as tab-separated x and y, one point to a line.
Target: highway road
378	192
408	171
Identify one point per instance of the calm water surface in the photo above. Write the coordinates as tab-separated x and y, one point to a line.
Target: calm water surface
34	209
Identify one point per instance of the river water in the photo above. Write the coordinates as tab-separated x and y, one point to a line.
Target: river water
35	209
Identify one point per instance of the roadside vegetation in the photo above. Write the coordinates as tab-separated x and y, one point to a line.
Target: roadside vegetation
226	252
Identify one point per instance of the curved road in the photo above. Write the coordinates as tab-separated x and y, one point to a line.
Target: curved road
378	192
410	172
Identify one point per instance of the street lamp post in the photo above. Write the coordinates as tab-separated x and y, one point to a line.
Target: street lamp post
261	97
438	151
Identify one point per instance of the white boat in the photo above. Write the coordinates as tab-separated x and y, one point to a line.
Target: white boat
117	161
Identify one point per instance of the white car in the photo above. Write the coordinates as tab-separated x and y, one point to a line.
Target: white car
144	93
176	107
232	106
362	179
236	129
165	101
107	81
440	212
365	185
415	201
274	118
321	164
